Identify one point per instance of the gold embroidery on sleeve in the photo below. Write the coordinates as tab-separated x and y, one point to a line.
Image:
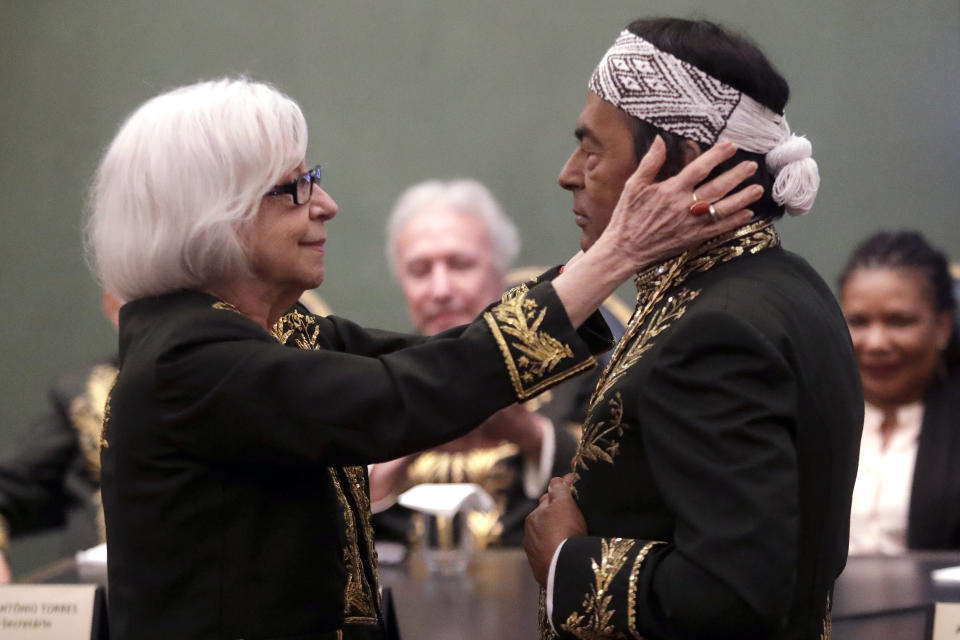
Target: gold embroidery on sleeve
517	316
632	590
594	622
88	412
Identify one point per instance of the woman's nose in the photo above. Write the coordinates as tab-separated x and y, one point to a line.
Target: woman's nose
875	338
322	205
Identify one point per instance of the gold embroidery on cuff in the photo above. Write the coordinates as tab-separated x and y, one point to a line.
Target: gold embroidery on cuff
594	622
87	414
546	631
632	590
517	316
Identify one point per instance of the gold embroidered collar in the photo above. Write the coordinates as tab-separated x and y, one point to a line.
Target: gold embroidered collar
654	283
750	238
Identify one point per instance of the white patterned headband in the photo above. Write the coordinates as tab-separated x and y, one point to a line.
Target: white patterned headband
676	96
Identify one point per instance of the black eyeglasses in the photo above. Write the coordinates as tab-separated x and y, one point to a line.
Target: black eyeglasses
301	189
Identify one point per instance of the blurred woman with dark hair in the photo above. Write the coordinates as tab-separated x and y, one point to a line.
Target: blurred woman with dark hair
897	296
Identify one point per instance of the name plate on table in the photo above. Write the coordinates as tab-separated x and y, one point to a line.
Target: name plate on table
52	612
946	621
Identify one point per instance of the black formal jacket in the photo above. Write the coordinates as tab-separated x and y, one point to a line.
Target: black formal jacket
718	458
934	515
52	478
234	484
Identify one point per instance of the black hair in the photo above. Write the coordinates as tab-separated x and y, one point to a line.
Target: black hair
910	250
733	60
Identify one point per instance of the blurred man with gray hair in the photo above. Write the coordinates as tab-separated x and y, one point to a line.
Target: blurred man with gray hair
450	247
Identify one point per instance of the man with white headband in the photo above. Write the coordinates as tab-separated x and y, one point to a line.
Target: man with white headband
710	493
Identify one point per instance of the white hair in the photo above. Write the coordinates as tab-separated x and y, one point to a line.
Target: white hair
182	175
463	195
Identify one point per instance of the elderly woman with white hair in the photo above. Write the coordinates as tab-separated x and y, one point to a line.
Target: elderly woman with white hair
236	435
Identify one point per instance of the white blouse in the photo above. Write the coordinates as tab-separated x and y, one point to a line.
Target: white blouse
881	495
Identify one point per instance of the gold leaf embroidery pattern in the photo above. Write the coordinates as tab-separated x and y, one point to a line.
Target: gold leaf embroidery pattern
632	588
301	330
361	497
594	621
518	317
651	288
477	465
653	297
672	309
485	528
88	412
358	599
481	466
106	418
301	327
599	438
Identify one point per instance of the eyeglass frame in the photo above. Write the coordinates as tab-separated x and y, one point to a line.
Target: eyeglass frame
312	177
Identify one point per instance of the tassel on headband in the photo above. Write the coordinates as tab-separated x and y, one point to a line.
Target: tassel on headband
676	96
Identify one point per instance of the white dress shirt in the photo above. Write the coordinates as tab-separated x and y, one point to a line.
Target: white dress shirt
881	495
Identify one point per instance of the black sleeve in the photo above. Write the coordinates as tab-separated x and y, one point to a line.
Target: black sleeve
717	413
331	402
32	495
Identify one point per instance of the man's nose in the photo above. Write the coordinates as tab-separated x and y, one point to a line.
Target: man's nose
571	174
440	285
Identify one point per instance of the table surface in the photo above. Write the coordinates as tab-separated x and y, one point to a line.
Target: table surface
875	597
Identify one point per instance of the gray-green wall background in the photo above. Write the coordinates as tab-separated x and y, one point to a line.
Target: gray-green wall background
396	92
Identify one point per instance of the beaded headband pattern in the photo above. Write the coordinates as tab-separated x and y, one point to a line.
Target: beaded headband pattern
675	96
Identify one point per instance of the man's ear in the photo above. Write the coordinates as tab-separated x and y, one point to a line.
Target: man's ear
690	151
